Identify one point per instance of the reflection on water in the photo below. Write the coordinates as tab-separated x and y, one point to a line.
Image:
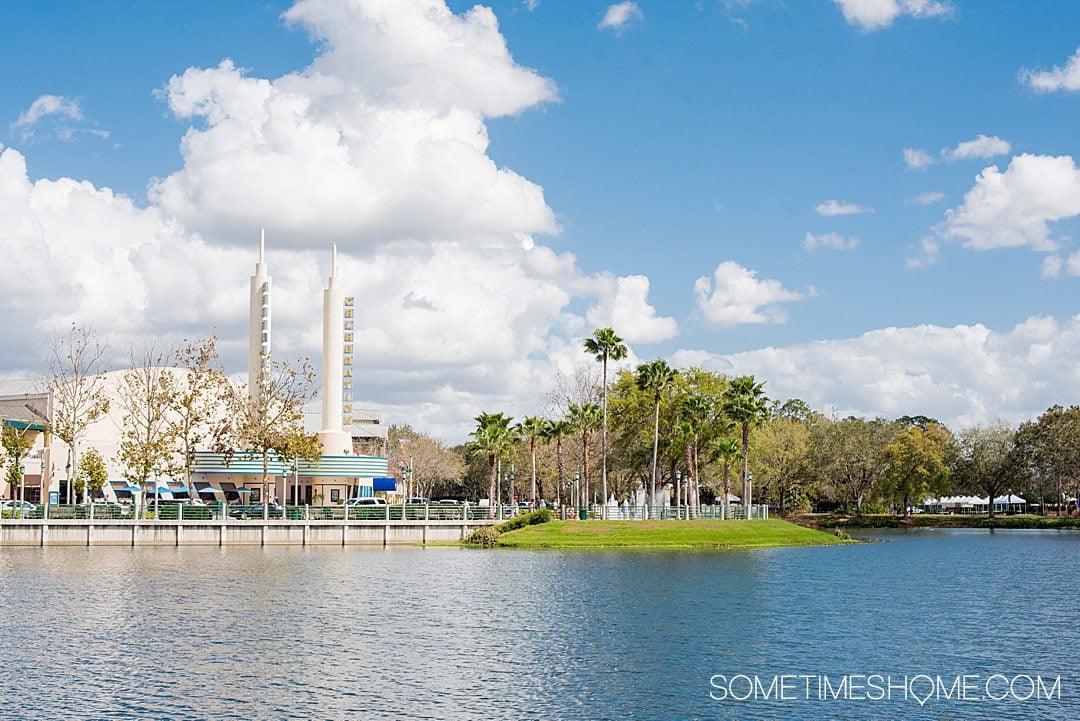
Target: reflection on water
444	633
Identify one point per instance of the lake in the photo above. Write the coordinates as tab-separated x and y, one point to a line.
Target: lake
448	633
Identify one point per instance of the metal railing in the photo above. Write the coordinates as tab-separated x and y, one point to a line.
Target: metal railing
407	512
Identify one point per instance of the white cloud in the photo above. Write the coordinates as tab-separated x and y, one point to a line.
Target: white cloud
734	295
833	241
620	15
383	132
928	198
917	159
1048	81
835	207
927	253
1051	266
531	5
1014	208
48	105
981	147
961	375
869	15
624	305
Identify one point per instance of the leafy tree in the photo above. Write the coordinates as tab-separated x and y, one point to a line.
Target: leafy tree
783	450
16	447
77	387
848	457
298	445
746	405
916	463
1050	448
605	346
432	463
792	409
92	472
989	461
655	377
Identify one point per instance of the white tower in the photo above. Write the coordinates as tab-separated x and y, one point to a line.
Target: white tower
259	318
334	440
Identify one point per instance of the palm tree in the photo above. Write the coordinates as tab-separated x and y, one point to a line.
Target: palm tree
605	345
655	376
532	428
696	411
725	450
555	431
492	438
745	404
585	419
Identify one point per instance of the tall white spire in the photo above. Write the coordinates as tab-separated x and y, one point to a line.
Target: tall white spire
334	440
258	317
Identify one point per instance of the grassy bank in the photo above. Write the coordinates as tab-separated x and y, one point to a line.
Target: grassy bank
926	520
666	534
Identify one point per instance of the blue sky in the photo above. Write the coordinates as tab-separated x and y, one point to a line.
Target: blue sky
690	145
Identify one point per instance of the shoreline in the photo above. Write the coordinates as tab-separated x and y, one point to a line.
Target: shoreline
832	521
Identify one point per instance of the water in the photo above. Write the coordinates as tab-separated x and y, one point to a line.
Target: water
446	633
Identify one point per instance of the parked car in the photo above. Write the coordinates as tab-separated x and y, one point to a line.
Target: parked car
417	501
368	501
17	509
255	510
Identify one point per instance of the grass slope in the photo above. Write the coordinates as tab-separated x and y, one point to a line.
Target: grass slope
666	534
925	520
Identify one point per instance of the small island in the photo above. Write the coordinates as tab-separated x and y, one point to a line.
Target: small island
662	534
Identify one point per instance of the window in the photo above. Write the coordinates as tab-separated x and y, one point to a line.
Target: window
255	497
335	495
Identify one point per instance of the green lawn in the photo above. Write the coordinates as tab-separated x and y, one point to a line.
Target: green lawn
666	534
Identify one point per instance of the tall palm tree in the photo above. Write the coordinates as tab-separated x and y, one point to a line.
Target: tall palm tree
655	376
604	346
746	405
725	450
695	411
492	438
532	429
555	431
585	418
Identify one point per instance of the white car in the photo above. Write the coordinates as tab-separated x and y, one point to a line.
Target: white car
353	502
17	509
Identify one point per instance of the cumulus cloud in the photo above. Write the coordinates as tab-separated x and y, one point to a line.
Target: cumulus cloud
835	207
459	307
981	147
1015	207
623	304
917	159
735	295
1065	78
928	198
833	241
870	15
962	375
1054	266
620	16
384	132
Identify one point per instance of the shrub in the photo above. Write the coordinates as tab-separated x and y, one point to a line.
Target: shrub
487	537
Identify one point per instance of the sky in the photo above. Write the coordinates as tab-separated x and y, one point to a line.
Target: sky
872	205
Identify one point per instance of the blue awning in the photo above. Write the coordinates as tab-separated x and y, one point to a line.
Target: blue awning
384	484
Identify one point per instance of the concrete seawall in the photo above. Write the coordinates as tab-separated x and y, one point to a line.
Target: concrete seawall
232	532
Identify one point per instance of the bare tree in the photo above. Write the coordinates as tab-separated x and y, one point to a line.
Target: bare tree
268	418
195	400
146	394
77	389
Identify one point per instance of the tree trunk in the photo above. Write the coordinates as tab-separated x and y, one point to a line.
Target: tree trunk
491	480
603	448
532	453
746	500
655	449
585	469
727	489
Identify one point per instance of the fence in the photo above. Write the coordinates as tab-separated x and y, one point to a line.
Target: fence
408	512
